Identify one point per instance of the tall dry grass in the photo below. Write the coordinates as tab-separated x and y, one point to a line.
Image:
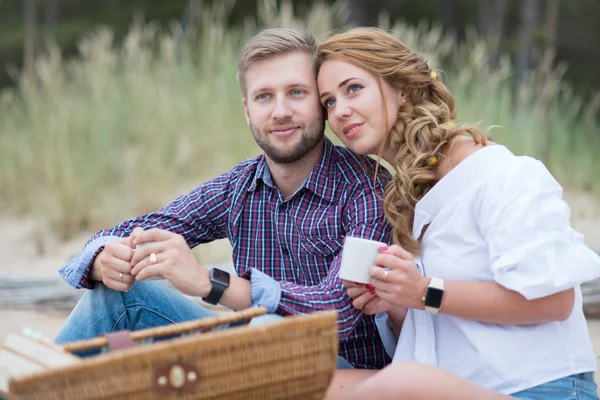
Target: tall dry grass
123	128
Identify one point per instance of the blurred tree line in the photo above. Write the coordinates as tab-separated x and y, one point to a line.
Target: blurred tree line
524	29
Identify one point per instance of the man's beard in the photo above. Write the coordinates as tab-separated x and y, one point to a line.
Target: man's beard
311	137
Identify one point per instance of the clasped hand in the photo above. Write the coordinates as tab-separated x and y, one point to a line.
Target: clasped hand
153	254
396	282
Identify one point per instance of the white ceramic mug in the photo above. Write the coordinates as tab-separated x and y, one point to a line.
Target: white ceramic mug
358	256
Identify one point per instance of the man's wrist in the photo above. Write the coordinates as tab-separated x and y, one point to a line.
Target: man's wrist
205	285
95	272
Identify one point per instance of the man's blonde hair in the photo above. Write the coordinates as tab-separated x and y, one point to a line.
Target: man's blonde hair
273	42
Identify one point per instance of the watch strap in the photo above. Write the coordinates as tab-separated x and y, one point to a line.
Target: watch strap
437	283
216	292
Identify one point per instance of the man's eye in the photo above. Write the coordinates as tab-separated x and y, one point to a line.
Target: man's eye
297	92
263	96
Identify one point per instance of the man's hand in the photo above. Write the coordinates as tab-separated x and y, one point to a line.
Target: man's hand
112	266
166	255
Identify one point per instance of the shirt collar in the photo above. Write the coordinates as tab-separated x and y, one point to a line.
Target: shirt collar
321	180
262	173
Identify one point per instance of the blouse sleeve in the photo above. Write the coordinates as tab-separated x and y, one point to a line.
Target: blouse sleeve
532	248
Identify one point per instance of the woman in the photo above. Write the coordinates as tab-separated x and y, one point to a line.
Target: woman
482	283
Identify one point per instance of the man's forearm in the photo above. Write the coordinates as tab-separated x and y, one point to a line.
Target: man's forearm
238	295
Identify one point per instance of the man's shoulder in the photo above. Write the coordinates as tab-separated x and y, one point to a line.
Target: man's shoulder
356	170
247	165
240	175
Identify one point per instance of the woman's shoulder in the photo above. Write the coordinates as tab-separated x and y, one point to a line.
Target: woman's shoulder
501	172
462	148
465	146
519	176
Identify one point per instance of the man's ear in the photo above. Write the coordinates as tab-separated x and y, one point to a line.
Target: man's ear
246	111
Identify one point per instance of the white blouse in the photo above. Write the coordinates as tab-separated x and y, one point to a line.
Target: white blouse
499	217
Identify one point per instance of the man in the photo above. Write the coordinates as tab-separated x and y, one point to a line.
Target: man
286	214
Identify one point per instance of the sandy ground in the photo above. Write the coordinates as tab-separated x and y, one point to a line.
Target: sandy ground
20	256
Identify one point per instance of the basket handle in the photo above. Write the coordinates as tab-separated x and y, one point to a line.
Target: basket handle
171	330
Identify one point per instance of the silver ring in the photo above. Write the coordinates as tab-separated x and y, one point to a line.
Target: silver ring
121	277
153	258
385	274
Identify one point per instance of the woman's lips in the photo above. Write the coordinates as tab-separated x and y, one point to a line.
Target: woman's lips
352	130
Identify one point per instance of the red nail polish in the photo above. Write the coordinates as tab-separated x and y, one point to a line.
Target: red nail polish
372	291
358	284
383	249
370	287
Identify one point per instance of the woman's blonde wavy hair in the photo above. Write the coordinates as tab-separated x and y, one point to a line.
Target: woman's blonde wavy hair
424	128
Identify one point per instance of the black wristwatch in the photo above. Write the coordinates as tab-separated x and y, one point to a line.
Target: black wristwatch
434	295
220	282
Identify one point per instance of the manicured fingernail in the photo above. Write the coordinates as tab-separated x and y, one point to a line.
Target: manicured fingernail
383	249
370	287
358	284
372	291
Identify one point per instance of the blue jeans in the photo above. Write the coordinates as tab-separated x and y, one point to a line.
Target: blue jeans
574	387
146	305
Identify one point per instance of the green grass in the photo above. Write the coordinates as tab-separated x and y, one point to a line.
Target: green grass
123	129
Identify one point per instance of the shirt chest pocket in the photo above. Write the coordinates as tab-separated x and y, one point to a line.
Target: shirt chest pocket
321	247
322	237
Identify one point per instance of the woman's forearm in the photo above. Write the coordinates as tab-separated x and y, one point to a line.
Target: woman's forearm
492	303
396	316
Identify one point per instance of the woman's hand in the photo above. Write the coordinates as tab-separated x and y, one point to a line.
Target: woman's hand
364	298
397	280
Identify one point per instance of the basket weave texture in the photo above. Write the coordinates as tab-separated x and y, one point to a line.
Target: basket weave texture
291	359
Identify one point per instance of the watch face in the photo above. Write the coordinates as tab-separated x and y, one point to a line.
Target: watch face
433	298
219	276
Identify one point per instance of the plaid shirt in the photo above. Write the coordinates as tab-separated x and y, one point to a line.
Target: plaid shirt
290	249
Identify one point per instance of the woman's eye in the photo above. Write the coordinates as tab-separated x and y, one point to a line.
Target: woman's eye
354	88
328	103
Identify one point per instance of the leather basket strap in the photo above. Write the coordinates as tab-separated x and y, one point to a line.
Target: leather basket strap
119	340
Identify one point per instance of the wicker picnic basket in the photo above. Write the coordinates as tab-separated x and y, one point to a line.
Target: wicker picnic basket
291	359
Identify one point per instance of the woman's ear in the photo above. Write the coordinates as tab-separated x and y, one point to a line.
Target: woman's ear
402	99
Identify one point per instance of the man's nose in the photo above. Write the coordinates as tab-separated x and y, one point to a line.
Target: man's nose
282	109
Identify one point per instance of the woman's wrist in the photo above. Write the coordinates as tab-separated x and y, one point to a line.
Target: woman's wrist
419	303
396	316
